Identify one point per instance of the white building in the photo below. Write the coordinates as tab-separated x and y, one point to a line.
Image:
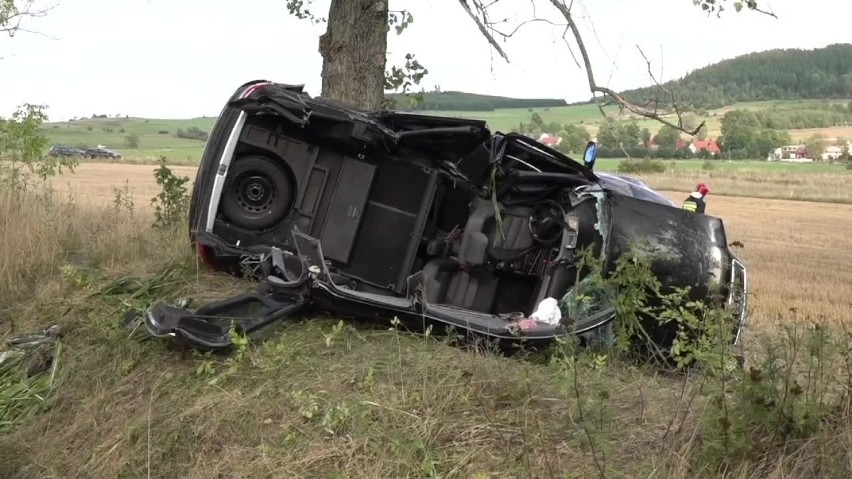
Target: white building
832	153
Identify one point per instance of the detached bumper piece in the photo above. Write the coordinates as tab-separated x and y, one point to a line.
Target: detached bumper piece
212	325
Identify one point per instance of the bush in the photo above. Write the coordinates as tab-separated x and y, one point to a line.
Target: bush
192	133
131	140
163	132
708	165
645	165
172	203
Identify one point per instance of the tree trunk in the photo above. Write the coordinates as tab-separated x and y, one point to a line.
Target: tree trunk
354	52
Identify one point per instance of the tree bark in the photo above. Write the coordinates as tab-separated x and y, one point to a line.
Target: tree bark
354	52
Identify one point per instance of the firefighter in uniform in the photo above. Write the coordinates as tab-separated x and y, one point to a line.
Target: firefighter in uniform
695	201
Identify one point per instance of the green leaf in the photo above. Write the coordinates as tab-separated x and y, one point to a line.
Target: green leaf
738	6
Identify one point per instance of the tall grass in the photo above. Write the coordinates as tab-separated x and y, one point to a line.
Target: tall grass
317	397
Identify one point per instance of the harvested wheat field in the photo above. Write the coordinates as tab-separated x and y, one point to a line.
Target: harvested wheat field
831	132
798	252
95	183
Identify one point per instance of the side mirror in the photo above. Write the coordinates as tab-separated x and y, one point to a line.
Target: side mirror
590	155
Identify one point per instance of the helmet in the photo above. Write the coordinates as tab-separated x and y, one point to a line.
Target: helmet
702	188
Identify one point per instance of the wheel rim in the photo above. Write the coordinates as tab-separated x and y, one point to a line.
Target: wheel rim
254	194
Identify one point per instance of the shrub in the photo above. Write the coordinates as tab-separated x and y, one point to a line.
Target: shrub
131	140
192	133
171	205
708	165
163	132
23	143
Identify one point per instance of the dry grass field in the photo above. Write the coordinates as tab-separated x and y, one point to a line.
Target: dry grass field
823	187
831	132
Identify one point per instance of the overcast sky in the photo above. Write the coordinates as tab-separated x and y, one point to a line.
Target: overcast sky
183	58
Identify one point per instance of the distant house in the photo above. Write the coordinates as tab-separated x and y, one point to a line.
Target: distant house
793	152
650	145
710	145
790	154
832	153
681	144
550	140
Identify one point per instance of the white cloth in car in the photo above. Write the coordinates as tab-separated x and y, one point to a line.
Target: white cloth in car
547	312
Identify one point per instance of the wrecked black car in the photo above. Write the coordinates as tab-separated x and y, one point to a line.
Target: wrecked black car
427	219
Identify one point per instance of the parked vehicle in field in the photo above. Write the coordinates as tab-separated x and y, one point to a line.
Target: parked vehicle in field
60	150
428	219
102	152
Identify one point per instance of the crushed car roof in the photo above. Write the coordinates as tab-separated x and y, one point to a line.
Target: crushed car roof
388	131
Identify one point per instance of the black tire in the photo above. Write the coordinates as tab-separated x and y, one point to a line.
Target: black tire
258	194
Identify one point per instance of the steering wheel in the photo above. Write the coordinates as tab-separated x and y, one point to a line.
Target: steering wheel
546	221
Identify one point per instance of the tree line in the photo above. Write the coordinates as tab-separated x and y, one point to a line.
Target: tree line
781	74
461	101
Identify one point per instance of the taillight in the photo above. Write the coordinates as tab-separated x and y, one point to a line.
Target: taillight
253	88
204	254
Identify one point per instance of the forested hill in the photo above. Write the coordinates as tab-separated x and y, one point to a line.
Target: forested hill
781	74
461	101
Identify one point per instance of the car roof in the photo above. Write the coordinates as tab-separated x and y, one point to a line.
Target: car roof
632	187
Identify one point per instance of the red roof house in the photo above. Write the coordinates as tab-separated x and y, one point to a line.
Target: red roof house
710	145
550	140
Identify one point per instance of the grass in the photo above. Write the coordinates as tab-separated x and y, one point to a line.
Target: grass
323	398
153	144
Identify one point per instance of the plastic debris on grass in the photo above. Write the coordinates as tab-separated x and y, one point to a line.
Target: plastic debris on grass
28	366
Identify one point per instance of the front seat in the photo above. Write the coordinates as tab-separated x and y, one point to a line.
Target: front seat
467	282
483	239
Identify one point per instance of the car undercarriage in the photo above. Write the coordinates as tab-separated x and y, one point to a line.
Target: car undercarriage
428	219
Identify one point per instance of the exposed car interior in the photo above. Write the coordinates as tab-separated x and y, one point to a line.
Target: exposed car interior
390	223
424	219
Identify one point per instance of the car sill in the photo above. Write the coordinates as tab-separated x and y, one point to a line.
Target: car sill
222	172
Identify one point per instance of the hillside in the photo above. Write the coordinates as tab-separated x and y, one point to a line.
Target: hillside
156	137
457	100
780	74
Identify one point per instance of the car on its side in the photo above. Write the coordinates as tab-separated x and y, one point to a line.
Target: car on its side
428	219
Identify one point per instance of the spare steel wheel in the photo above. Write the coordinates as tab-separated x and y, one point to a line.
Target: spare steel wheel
258	193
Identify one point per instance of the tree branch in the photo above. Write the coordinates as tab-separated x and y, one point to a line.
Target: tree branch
482	24
622	102
12	14
652	109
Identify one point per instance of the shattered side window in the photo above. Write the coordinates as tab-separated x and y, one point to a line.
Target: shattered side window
585	300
